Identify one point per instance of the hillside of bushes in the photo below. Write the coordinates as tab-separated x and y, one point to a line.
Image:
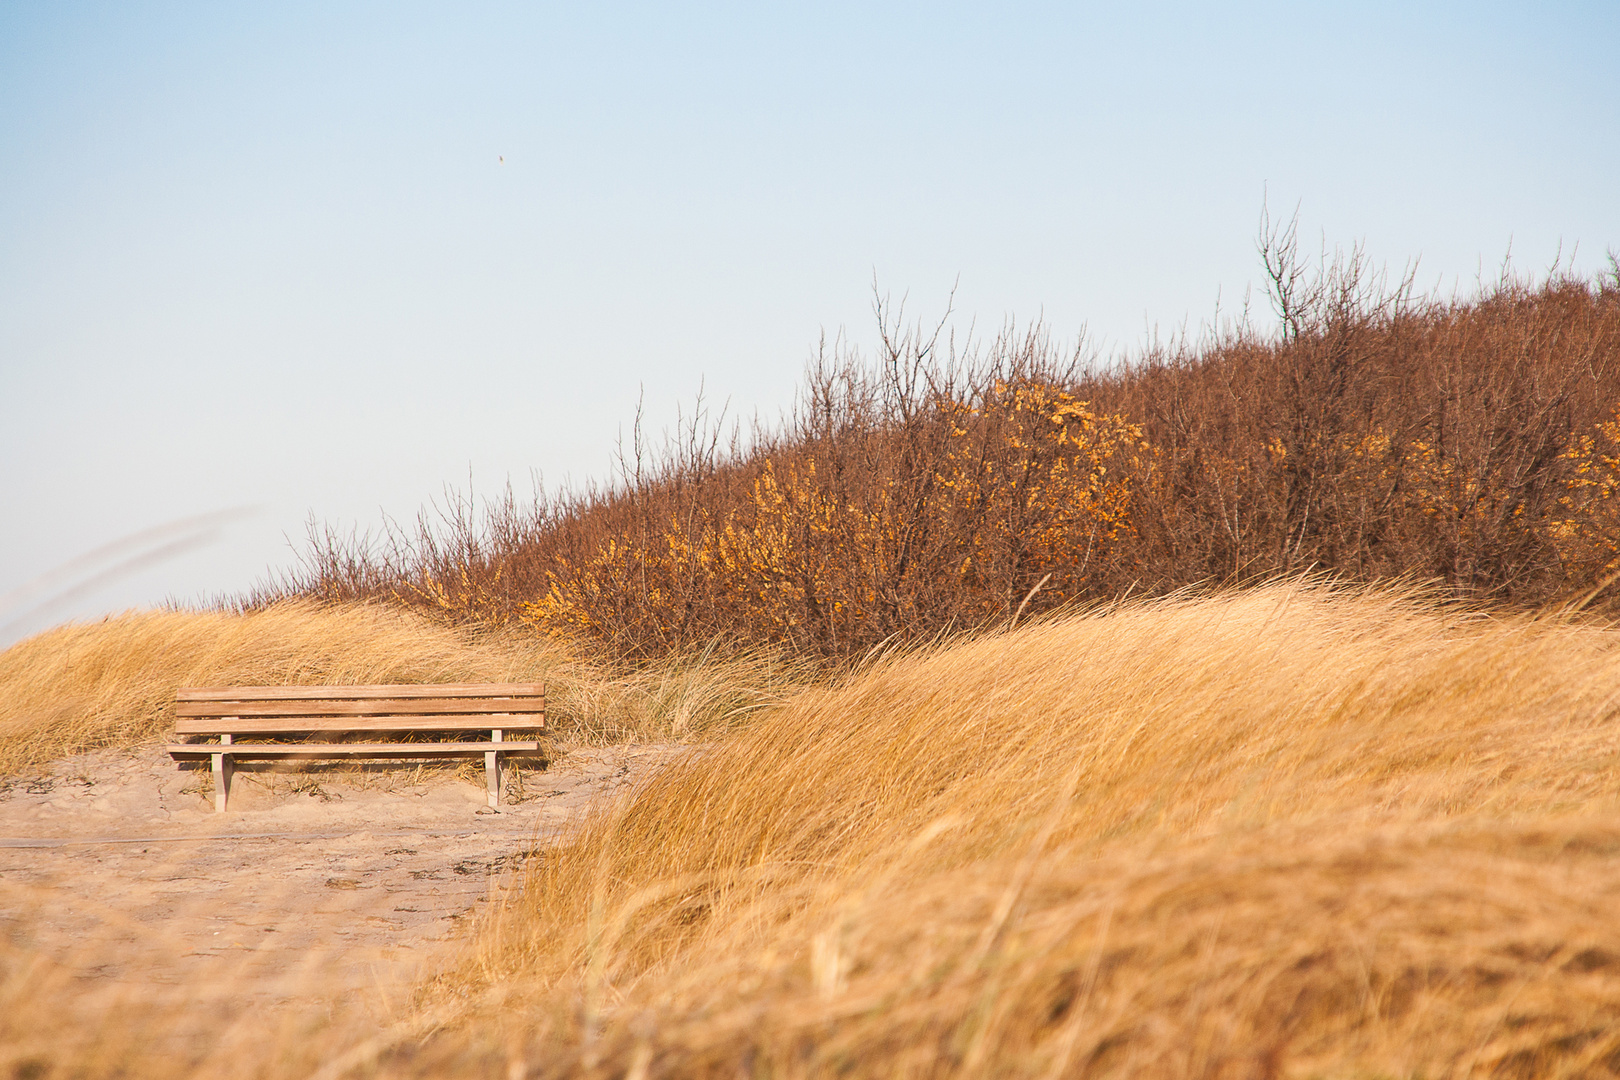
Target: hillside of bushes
1373	433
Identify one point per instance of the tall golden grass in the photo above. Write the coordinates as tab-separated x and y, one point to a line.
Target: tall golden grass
1300	831
83	686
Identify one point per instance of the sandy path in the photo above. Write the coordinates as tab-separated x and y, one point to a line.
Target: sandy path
114	867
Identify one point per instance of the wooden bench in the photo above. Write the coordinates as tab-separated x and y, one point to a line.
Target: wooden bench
219	715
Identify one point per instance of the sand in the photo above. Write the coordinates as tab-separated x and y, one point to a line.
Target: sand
323	882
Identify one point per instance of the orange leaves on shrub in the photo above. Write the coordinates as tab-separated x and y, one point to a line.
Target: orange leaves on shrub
1473	444
1028	477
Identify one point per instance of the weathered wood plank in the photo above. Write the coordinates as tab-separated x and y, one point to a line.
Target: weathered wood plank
253	751
224	767
375	707
270	725
360	693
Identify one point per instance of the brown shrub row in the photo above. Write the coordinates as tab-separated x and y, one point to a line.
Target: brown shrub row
1376	435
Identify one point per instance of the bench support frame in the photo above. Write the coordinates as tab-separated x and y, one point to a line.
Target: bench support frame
224	770
492	771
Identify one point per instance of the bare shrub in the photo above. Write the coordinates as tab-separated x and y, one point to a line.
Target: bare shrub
1378	435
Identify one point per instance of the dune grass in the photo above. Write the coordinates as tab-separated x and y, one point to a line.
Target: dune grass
1294	831
84	686
1301	831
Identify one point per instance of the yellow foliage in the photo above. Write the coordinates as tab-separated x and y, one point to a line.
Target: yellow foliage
1030	470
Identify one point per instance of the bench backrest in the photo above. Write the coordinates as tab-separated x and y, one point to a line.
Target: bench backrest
269	710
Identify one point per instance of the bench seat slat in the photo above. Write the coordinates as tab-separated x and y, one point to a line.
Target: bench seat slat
270	725
380	706
360	693
250	751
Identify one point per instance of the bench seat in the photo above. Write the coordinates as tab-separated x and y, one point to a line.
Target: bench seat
266	751
218	715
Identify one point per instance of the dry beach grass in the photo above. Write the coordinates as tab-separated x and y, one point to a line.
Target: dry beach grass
82	686
1301	830
1296	831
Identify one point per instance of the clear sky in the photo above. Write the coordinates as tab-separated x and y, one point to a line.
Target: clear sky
270	257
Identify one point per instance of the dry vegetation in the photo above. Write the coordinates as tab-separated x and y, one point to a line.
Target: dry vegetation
1288	832
1291	831
83	686
1378	435
1312	827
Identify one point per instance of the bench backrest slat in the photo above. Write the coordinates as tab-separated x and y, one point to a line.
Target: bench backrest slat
378	707
360	693
269	710
271	725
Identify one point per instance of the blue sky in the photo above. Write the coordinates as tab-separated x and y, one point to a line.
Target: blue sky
269	257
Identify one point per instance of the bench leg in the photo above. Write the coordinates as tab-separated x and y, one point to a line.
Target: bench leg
492	776
224	769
